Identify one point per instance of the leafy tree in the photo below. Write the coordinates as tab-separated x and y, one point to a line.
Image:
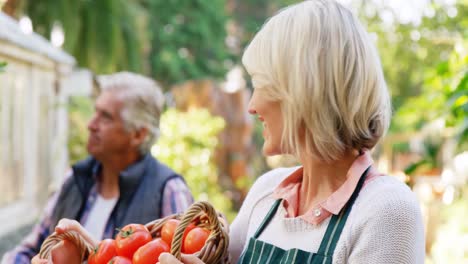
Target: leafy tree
187	39
102	35
171	40
444	96
409	50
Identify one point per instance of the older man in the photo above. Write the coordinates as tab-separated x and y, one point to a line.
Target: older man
121	182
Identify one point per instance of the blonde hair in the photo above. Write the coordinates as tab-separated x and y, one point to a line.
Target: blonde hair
317	60
143	103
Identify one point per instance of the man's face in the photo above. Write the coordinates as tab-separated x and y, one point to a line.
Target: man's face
107	134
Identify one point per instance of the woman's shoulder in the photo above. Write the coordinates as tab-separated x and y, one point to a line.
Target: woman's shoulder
387	194
385	221
387	185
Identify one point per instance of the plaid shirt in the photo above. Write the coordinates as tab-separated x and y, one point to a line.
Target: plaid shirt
176	198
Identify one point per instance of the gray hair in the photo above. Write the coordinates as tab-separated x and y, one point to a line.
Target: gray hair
143	103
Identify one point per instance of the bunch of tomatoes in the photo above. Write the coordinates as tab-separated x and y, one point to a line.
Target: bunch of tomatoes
134	244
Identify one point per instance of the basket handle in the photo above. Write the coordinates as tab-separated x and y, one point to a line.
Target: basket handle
84	247
210	250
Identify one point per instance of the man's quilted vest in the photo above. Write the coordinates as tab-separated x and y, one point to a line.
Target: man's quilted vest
141	191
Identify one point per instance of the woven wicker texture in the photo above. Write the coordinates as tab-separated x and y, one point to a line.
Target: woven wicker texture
203	215
83	246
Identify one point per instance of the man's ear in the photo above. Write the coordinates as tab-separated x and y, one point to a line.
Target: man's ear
139	136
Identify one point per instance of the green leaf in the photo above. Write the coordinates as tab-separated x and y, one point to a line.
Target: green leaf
411	169
443	68
462	100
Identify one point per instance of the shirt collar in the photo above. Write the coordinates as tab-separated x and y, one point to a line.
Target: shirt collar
337	200
289	188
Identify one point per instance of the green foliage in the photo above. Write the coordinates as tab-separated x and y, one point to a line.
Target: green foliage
401	147
429	160
102	35
457	103
409	50
2	66
80	110
444	96
178	39
250	15
187	145
187	39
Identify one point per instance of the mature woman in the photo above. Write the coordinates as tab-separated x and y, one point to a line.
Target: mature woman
320	93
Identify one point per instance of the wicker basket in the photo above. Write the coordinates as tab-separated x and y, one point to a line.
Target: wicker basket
202	214
83	246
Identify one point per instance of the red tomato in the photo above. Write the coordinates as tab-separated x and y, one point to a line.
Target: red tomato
149	253
187	230
120	260
103	252
169	228
130	238
195	240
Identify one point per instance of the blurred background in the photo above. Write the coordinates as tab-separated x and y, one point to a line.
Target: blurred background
51	49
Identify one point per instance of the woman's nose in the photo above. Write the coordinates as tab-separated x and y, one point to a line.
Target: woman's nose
251	108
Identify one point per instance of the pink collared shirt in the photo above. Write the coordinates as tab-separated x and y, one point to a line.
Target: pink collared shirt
289	188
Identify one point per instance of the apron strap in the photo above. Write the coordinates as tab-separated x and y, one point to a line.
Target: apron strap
267	218
337	222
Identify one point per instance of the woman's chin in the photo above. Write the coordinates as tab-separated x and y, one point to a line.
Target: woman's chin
269	151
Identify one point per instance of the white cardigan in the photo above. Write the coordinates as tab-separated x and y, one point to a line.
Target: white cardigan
384	226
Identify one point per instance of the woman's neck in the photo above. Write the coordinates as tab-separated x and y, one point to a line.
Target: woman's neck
321	179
